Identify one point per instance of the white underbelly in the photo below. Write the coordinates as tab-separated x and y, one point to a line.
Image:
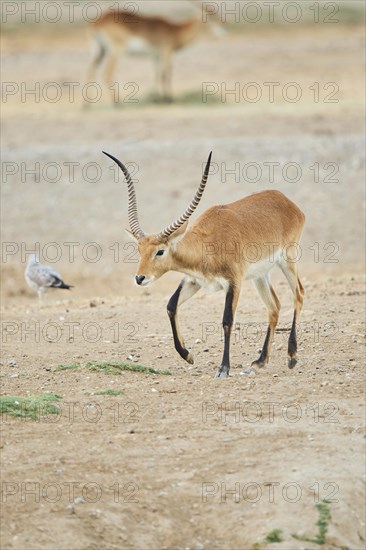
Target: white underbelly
213	284
254	270
260	268
136	45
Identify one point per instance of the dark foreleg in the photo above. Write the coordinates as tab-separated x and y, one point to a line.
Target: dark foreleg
185	290
231	301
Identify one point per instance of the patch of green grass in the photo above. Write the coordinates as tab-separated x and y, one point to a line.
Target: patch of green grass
351	14
112	367
322	523
108	392
102	366
320	537
32	406
72	366
193	97
197	97
346	12
274	536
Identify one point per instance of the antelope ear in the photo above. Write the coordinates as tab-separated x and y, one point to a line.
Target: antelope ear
131	234
178	232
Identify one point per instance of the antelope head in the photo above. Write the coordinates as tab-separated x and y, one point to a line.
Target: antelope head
157	251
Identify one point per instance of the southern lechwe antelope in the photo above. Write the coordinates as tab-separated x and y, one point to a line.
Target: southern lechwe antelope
226	244
114	29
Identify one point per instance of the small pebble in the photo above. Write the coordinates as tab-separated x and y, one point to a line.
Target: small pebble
249	372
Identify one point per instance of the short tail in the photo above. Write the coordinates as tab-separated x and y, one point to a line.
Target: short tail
58	283
64	285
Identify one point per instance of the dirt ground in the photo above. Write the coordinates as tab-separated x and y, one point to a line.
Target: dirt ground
182	461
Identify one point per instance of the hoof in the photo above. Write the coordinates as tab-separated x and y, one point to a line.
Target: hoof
222	374
291	362
189	358
258	364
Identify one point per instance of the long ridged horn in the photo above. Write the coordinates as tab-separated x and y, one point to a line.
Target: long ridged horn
191	208
132	206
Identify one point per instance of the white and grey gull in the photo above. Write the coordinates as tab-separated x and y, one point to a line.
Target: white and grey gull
42	277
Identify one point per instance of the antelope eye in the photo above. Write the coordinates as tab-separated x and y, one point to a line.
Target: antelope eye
160	252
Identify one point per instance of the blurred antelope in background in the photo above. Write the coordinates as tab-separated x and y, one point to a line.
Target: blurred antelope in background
214	254
115	29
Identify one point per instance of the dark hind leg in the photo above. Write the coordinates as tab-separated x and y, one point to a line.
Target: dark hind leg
108	51
163	76
167	78
98	58
289	269
273	305
101	52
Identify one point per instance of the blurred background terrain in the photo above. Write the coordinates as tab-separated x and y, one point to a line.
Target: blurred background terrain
280	104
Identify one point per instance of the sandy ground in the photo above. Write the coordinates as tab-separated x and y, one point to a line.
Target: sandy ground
154	467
